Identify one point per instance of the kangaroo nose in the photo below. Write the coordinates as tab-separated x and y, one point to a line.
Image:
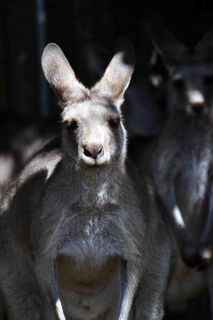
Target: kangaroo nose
197	108
93	152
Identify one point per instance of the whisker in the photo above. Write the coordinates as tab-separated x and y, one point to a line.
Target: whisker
73	163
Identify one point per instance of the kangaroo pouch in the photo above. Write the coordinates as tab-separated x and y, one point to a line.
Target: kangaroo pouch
89	292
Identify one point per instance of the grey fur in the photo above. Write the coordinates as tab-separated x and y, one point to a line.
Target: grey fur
93	234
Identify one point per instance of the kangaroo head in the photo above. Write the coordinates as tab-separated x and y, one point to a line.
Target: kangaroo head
190	71
93	133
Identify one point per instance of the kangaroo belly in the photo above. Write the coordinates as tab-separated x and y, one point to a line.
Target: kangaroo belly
88	291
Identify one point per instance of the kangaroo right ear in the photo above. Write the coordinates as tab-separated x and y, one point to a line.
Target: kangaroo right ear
171	50
117	76
60	75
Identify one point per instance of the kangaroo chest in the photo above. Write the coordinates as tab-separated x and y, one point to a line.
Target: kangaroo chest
98	232
192	182
88	236
195	171
97	224
193	175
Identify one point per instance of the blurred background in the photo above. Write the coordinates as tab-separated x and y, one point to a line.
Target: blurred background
87	32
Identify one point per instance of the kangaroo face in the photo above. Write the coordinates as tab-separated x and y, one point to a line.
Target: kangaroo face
93	133
191	88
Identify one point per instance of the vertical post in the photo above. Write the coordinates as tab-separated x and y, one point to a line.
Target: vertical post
41	42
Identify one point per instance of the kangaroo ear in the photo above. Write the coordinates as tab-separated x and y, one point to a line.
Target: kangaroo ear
60	75
118	74
204	48
171	50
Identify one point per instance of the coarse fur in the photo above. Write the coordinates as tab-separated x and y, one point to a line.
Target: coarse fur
85	219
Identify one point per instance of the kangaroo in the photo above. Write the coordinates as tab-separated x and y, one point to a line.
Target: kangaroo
97	244
182	159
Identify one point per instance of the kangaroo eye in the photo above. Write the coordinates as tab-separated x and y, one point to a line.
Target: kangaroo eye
114	122
178	83
73	125
208	80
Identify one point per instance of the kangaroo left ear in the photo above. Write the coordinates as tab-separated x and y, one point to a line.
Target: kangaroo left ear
60	74
118	74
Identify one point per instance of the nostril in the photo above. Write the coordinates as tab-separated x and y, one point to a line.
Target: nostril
87	153
93	152
100	149
197	108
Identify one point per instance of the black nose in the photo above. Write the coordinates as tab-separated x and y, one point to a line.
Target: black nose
93	151
197	108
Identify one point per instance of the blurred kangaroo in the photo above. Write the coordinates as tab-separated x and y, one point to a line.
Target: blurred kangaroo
82	214
182	159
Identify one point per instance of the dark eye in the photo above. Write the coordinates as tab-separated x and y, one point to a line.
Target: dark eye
73	125
178	83
208	80
114	122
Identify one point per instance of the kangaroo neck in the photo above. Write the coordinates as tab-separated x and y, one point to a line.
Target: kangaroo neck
97	187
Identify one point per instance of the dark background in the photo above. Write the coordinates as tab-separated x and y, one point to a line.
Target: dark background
87	31
27	25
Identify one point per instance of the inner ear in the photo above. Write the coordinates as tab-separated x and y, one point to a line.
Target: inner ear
118	74
60	75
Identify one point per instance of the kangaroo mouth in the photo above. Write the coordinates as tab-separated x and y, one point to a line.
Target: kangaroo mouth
93	163
94	167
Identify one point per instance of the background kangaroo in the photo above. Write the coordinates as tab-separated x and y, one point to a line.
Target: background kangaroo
96	241
182	156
